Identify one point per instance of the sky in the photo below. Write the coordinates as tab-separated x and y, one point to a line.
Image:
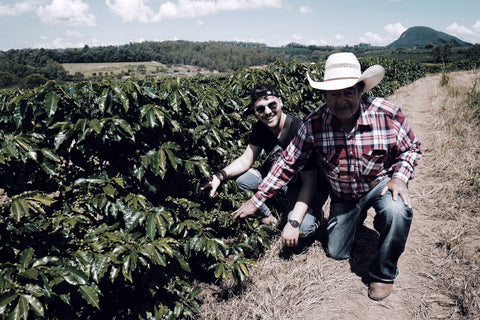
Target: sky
52	24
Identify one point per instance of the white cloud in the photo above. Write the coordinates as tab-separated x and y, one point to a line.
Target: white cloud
395	29
131	10
339	37
69	12
476	26
372	38
199	23
321	42
19	8
306	9
457	29
58	43
138	10
296	37
73	33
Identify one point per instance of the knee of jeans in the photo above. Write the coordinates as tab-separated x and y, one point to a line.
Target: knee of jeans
248	181
337	253
308	228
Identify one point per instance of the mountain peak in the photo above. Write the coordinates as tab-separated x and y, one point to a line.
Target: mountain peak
419	36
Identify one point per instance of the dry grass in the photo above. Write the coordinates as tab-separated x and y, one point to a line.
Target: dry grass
439	271
459	152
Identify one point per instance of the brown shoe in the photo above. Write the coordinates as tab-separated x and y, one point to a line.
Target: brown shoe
379	290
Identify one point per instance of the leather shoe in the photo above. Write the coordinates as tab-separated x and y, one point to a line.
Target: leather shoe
379	290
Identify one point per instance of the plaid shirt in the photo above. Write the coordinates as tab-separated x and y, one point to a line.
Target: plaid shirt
380	145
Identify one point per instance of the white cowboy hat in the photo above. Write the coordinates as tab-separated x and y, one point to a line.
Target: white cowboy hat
342	70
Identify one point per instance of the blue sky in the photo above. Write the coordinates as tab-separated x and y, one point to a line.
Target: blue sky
75	23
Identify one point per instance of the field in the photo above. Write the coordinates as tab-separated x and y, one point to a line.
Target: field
101	215
131	68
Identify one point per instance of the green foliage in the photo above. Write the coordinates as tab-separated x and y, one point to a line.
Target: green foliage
104	217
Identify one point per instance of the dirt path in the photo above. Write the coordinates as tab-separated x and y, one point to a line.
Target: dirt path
312	286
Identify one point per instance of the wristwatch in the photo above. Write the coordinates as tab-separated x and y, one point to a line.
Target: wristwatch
294	223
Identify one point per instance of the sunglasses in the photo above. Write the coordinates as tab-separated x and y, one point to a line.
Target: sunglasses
261	109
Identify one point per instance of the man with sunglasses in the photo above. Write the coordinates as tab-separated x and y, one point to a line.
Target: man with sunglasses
368	152
272	133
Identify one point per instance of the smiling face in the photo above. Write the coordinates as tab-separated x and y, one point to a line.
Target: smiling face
344	104
268	110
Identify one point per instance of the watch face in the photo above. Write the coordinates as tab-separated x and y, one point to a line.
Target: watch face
294	223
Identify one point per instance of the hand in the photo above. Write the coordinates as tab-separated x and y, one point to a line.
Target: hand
398	187
246	209
290	235
213	183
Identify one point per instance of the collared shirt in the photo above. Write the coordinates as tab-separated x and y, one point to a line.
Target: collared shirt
380	145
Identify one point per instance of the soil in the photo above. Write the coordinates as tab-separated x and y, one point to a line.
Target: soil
309	285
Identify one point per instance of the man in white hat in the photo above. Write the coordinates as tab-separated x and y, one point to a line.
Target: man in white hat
367	152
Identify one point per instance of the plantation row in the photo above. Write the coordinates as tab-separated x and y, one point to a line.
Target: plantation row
103	217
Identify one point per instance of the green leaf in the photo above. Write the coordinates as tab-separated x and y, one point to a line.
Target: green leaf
103	100
26	258
36	304
99	267
50	155
42	198
44	261
109	190
74	276
95	126
131	217
183	263
51	103
219	270
5	300
23	307
123	97
151	226
19	208
90	296
150	92
125	126
59	139
35	289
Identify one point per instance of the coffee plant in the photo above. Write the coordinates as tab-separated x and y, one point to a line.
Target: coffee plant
101	215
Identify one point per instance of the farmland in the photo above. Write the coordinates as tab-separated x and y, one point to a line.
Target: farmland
116	69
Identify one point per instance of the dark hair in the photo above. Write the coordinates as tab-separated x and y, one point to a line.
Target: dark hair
361	86
262	90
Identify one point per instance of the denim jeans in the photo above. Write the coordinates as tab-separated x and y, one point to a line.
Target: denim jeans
250	181
392	221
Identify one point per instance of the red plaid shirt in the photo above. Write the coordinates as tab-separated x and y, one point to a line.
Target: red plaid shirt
380	145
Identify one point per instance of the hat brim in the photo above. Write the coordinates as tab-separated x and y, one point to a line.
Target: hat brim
370	77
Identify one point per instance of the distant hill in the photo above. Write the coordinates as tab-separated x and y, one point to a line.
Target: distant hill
419	36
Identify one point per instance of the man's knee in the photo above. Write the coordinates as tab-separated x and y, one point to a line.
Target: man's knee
250	180
337	253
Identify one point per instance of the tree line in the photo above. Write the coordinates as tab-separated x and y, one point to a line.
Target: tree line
29	68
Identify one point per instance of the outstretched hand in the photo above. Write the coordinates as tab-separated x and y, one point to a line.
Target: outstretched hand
246	209
398	188
213	183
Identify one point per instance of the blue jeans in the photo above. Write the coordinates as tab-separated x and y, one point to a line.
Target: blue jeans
251	179
392	221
